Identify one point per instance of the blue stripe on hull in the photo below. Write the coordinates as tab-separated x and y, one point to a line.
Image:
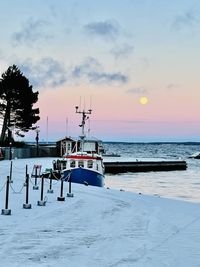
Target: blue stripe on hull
82	176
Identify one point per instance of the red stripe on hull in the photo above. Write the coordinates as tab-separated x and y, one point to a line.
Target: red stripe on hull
81	157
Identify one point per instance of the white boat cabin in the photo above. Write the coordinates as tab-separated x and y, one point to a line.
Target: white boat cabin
80	159
70	145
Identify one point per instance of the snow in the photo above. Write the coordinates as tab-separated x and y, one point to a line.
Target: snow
97	227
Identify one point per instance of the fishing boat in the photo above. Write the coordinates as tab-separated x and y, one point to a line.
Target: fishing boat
82	166
196	155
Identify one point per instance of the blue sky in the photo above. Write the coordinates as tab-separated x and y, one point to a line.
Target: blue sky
115	51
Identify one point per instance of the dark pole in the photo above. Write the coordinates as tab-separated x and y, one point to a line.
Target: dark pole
61	198
27	205
10	150
50	186
7	192
42	189
11	171
37	141
50	190
35	187
10	143
9	132
37	145
70	194
35	175
61	189
6	211
27	184
27	187
70	185
42	202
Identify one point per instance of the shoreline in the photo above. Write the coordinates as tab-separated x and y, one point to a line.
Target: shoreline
46	163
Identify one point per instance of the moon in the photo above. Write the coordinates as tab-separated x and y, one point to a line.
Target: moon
144	100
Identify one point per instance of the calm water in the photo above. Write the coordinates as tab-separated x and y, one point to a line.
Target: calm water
183	185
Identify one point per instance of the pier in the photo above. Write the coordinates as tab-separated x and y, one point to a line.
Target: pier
143	165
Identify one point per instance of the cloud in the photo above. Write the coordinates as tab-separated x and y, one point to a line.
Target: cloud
185	21
137	91
104	77
172	86
122	51
53	11
85	67
32	31
46	72
92	70
105	29
51	73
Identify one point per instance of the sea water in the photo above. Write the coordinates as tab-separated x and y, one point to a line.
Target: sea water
182	185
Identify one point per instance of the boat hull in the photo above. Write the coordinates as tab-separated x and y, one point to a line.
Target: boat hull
84	176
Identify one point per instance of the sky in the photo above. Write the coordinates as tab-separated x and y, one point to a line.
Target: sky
106	55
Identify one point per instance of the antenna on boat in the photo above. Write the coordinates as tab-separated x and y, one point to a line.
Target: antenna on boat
66	121
82	125
90	102
89	128
47	129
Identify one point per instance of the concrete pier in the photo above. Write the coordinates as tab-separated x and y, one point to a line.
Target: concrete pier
113	166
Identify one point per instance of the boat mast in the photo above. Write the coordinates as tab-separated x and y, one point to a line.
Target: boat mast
82	125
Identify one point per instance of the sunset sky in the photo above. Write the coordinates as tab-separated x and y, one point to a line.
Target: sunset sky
107	54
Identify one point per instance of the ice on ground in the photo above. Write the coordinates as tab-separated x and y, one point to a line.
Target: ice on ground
97	227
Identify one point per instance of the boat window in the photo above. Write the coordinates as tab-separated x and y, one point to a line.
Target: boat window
90	163
72	164
97	166
63	165
80	163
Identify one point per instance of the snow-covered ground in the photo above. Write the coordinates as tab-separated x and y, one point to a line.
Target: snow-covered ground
97	227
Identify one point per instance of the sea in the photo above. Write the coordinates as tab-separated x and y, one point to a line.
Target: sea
182	185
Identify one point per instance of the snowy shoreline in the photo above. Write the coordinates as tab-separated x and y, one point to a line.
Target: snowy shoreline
97	227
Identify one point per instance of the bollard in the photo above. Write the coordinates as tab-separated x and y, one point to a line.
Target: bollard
6	211
27	205
61	198
41	202
35	187
11	181
70	194
50	190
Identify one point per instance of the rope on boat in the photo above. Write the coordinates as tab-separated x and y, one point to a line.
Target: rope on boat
66	179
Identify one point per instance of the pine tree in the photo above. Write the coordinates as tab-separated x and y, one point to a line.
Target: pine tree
16	103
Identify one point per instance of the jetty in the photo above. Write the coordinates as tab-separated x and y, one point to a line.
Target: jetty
143	165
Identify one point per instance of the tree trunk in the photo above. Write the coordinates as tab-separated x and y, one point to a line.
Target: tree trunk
6	120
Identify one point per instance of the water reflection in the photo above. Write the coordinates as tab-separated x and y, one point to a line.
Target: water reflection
183	185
